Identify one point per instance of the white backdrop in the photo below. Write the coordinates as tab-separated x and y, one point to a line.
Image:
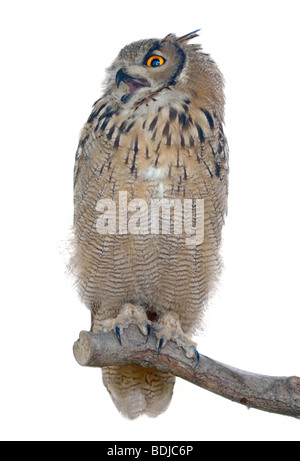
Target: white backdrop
53	58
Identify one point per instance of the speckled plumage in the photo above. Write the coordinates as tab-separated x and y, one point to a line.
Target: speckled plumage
155	133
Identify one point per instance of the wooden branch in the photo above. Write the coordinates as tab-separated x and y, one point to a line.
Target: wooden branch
268	393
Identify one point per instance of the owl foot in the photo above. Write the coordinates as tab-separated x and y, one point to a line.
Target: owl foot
169	328
129	314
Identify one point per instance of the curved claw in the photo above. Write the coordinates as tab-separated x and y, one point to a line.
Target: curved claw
160	345
197	356
117	330
148	332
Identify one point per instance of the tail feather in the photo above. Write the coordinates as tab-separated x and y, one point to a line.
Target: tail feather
136	390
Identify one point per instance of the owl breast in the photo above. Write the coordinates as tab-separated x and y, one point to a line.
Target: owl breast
149	153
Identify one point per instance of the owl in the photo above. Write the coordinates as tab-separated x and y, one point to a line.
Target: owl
150	198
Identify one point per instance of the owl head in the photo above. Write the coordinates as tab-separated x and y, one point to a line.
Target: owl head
156	68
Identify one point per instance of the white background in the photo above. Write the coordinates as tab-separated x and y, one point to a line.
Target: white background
53	57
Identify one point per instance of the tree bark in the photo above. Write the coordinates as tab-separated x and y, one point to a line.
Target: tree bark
277	394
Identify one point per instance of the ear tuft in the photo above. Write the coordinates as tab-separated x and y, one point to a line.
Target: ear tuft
170	38
189	36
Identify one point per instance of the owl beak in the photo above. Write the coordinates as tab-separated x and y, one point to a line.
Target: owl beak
134	83
120	77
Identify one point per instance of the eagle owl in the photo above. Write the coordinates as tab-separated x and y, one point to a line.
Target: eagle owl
155	137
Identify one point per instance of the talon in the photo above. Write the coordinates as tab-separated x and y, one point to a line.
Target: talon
148	332
197	356
117	330
161	343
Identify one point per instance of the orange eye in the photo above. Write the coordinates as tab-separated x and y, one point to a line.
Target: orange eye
155	61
